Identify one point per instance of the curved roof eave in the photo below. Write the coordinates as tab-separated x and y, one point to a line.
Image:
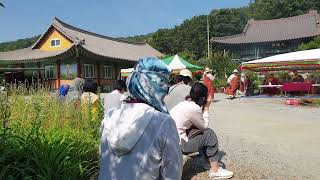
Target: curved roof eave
50	56
254	42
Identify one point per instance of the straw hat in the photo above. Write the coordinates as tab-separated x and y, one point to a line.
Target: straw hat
207	70
235	71
186	72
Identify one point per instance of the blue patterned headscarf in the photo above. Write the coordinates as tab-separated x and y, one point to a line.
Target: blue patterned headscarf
149	82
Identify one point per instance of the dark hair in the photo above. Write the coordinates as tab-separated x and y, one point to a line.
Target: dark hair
186	79
90	86
178	79
120	85
199	94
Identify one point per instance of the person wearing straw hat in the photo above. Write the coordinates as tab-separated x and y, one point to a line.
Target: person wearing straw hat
233	83
180	90
208	82
187	74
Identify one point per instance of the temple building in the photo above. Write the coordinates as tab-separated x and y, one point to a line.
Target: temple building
263	38
64	52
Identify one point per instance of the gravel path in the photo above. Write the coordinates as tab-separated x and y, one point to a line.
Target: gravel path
265	139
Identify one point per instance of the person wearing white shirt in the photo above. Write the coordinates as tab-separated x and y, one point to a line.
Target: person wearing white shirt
116	97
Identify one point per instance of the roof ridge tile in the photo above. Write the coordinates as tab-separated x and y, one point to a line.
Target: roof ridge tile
66	25
310	14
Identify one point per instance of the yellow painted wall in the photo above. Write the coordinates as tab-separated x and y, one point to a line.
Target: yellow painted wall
54	34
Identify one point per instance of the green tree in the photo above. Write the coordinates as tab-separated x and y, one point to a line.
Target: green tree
18	44
314	44
224	22
162	41
191	35
274	9
188	56
137	38
221	64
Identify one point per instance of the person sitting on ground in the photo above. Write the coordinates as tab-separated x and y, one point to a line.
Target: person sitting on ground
271	80
297	77
75	91
139	139
116	97
233	84
208	82
180	90
192	120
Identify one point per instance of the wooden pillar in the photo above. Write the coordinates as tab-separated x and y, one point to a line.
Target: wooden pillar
78	68
97	66
58	73
116	72
39	71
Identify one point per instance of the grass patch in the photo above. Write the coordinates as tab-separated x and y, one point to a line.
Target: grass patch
42	138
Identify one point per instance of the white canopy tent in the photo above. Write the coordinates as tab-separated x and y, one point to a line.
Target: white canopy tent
125	72
313	54
300	60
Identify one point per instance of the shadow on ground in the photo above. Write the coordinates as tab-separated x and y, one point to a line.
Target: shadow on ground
190	171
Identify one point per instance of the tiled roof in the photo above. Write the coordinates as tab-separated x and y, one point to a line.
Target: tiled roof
32	55
297	27
93	43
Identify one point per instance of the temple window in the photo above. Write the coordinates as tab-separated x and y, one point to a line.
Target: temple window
49	72
55	43
107	72
89	71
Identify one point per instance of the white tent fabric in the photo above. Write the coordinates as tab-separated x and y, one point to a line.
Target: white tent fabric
127	70
176	63
313	54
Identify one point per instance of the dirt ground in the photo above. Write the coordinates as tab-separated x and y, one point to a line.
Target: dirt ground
264	139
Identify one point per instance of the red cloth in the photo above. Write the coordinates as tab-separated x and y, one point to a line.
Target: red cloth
208	83
296	86
244	84
234	85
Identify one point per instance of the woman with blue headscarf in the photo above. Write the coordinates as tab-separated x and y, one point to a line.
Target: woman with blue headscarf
139	139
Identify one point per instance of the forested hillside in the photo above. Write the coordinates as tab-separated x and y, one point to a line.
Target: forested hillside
18	44
190	37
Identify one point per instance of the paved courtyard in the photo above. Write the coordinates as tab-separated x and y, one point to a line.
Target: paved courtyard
265	139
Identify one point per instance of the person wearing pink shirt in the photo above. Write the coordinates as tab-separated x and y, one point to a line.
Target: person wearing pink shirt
192	121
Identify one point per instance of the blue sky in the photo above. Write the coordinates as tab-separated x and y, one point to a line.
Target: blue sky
115	18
